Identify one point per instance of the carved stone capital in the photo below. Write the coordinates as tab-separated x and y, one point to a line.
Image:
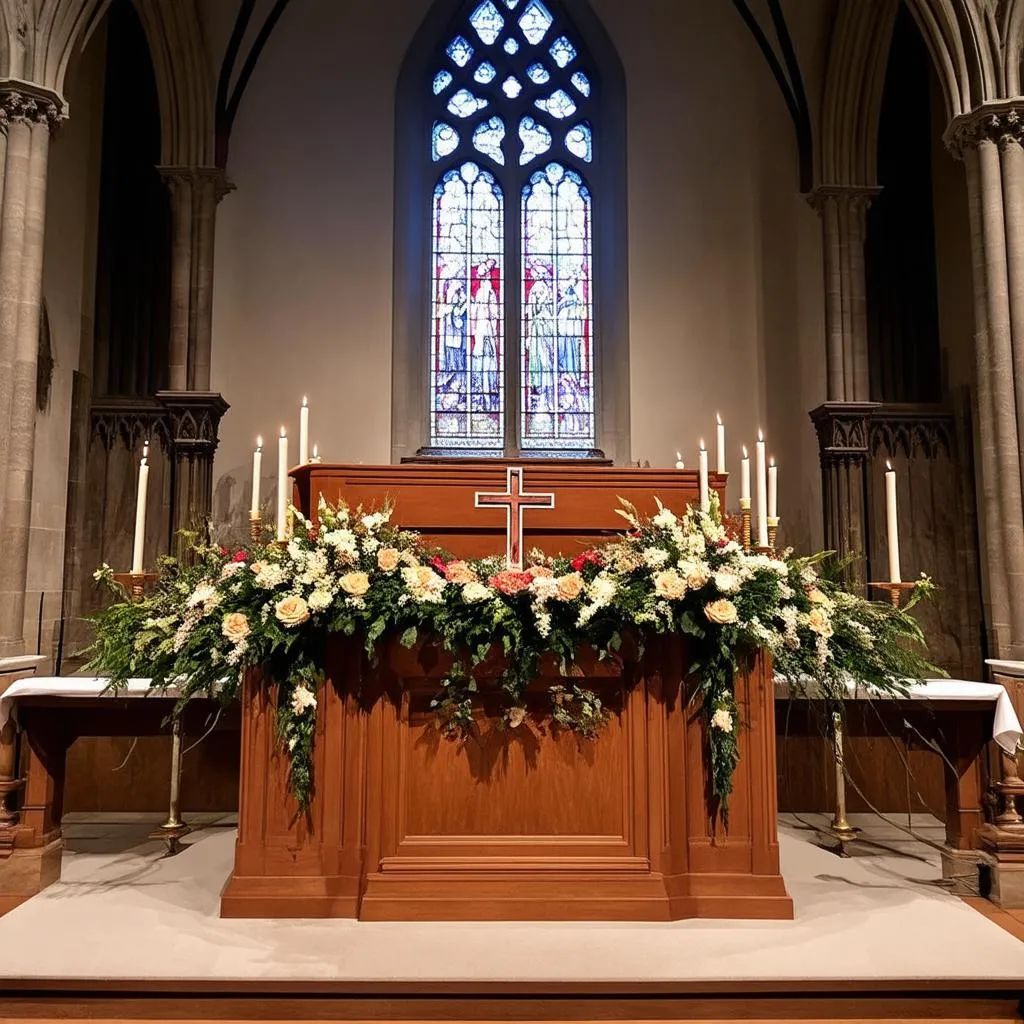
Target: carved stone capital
194	179
194	419
843	430
1001	123
28	103
856	198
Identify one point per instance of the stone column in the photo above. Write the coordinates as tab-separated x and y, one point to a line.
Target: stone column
843	210
843	430
194	418
988	141
31	114
195	193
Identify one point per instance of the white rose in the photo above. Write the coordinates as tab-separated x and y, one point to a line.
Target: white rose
320	599
727	582
302	698
473	593
722	720
291	611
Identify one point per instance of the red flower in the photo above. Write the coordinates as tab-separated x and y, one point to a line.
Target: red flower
311	533
224	552
240	556
440	565
589	557
510	581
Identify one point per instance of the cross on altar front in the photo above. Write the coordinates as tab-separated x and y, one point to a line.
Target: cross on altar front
514	500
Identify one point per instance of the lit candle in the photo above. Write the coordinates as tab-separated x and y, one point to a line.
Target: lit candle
720	462
257	469
762	493
304	432
140	511
679	461
773	490
702	466
316	454
282	486
745	479
892	524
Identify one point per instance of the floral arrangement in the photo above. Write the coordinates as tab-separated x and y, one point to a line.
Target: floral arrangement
222	613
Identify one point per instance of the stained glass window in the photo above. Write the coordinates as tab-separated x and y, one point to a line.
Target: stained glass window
557	315
513	133
467	383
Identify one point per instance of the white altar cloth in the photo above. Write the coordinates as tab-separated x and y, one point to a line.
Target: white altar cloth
1006	727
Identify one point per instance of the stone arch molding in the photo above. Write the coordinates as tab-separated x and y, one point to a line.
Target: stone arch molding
37	38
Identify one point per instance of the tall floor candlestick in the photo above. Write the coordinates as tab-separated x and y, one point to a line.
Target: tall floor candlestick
762	493
892	524
702	465
282	486
304	432
720	455
140	513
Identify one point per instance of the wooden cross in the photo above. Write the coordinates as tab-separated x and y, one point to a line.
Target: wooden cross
514	500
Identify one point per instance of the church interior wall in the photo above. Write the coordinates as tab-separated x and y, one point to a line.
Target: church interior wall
724	258
68	291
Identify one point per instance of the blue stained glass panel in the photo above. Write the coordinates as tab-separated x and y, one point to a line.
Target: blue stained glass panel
538	74
467	350
579	141
511	87
557	383
487	21
535	137
535	21
441	81
511	46
488	138
485	73
460	51
465	104
581	82
562	51
559	104
445	140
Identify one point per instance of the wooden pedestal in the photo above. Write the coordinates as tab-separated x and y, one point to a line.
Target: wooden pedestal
512	824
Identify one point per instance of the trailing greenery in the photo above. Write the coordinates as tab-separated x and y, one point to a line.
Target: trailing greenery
207	622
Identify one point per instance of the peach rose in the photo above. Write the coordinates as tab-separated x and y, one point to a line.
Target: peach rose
570	586
510	581
818	622
235	627
669	585
388	559
721	612
291	611
460	573
355	583
540	571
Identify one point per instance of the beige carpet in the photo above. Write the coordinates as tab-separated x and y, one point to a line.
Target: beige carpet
122	910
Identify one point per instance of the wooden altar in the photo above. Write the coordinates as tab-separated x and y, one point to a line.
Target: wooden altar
512	824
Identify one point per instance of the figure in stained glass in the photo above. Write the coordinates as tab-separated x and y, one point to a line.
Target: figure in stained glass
485	329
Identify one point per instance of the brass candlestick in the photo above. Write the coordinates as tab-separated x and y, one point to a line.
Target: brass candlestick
173	830
895	591
839	828
773	530
136	582
255	527
745	516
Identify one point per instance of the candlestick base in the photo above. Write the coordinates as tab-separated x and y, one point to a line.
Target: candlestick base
773	530
136	582
895	591
745	516
255	527
171	833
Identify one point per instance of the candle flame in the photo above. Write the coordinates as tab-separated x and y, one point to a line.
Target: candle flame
760	436
259	440
679	456
316	451
718	418
771	461
283	434
702	444
745	455
305	402
888	466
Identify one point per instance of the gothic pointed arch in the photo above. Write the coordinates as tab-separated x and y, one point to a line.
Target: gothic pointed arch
510	328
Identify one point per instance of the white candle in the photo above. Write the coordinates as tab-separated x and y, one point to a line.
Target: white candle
702	466
762	493
257	469
679	461
892	524
745	479
140	513
282	486
720	462
304	432
773	490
